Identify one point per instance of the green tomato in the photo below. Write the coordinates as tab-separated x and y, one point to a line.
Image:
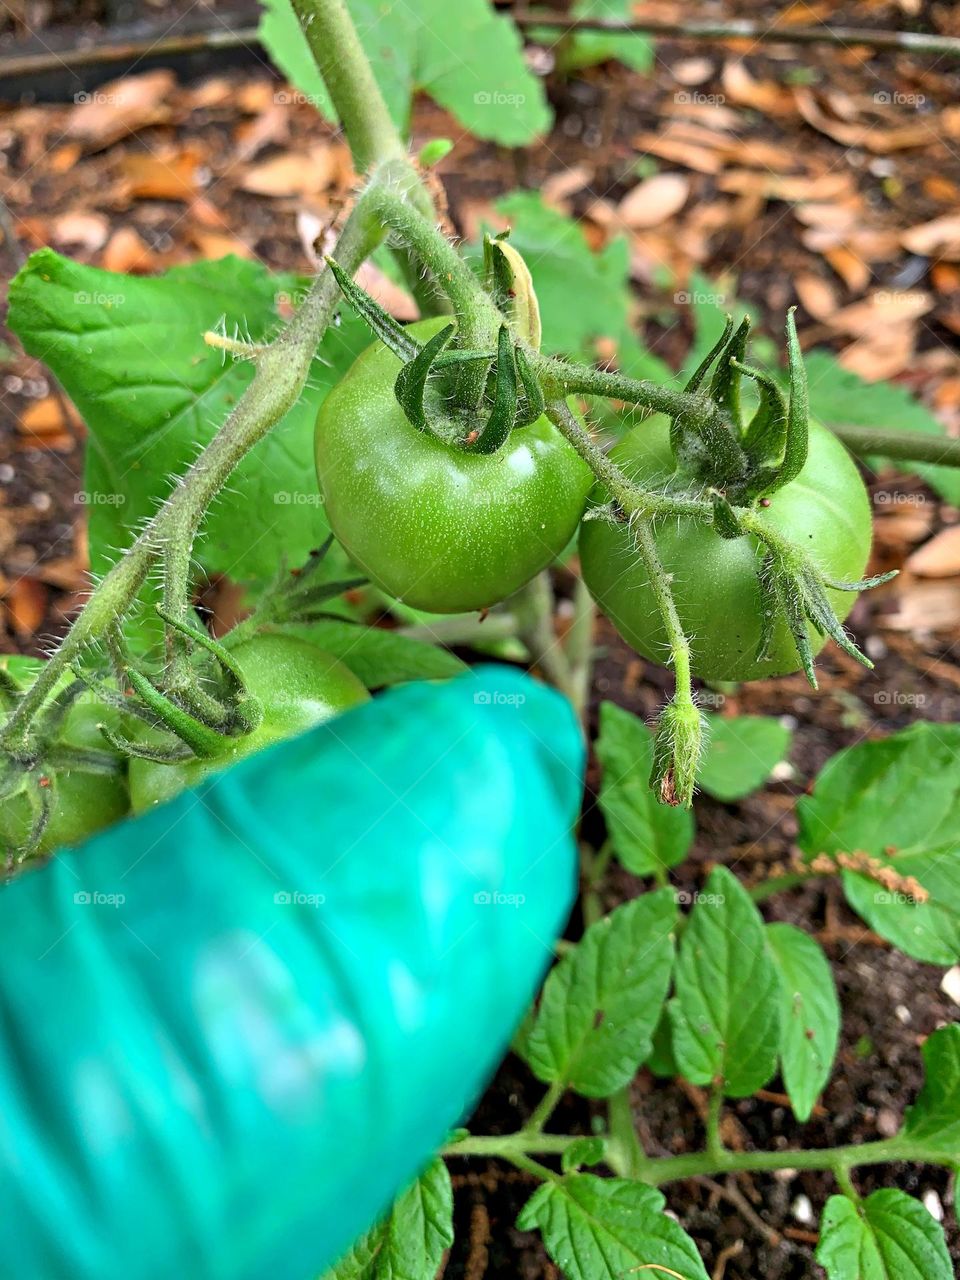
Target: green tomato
85	797
714	580
297	684
436	527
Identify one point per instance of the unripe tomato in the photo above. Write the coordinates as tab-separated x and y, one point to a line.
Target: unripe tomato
84	798
434	526
714	580
297	684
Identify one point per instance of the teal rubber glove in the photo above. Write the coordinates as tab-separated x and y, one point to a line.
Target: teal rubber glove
233	1029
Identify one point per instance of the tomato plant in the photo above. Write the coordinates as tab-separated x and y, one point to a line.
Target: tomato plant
449	467
297	685
716	581
439	528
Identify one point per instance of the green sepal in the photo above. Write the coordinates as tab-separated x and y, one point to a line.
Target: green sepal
821	613
725	384
91	760
696	379
205	742
798	417
865	584
766	436
390	332
411	381
531	403
503	415
724	518
790	597
769	607
245	711
157	752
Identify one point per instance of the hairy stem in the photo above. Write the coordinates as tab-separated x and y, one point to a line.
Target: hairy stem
906	446
628	497
660	584
350	81
562	378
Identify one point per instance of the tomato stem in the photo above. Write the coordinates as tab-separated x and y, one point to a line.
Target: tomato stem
349	78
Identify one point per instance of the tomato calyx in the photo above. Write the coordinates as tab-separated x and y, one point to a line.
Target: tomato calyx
429	385
743	461
30	771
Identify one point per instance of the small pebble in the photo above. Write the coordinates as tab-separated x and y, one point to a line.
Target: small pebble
931	1202
42	501
692	71
876	647
882	167
6	473
802	1211
950	984
888	1122
903	1013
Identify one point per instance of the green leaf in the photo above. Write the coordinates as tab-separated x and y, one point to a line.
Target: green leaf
129	351
465	56
647	836
809	1015
608	1228
601	1002
726	1011
375	656
841	397
889	1236
409	1244
897	800
588	48
934	1119
742	752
